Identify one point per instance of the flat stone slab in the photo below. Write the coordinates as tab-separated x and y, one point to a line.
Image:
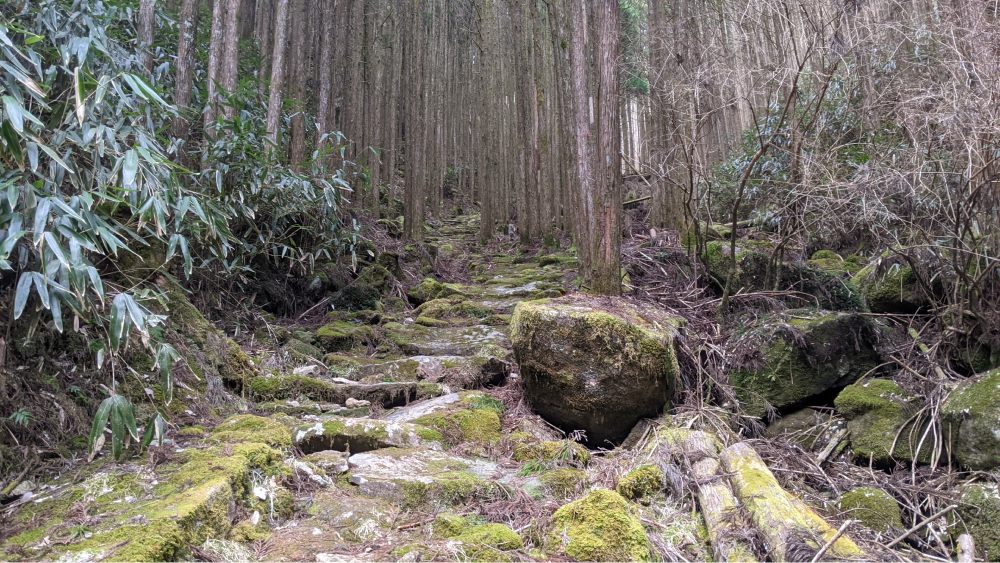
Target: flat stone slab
413	477
423	408
456	341
362	435
285	387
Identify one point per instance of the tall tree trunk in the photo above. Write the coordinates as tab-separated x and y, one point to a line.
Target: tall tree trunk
215	49
185	66
230	53
297	84
147	18
277	74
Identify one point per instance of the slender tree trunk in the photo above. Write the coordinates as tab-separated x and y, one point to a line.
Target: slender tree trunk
185	66
147	18
296	82
230	53
277	73
215	50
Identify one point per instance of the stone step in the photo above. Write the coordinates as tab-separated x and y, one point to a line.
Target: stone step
292	387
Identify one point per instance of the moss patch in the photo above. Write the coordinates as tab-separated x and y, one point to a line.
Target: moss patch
478	425
250	428
341	336
875	508
642	481
562	451
971	415
449	525
980	512
876	410
489	542
598	527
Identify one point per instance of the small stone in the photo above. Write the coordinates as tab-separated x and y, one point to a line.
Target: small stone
353	403
306	370
260	492
23	488
255	517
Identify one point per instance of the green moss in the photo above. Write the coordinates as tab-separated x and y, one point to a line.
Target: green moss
434	309
810	354
250	428
756	272
429	322
876	410
471	310
272	334
428	289
971	416
826	255
488	542
478	426
376	277
300	348
642	481
449	525
875	508
191	431
979	508
565	482
598	527
496	320
341	336
889	286
487	403
357	298
565	451
245	532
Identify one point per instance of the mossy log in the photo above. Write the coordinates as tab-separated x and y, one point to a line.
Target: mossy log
721	512
792	530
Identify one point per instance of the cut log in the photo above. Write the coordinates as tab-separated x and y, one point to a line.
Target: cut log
721	512
791	529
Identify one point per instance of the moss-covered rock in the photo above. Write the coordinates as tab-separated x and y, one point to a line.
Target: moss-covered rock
342	336
358	519
756	272
431	322
299	350
272	334
466	425
447	525
390	261
875	508
979	508
488	542
598	527
811	353
148	516
561	451
419	477
469	309
249	428
876	410
598	365
357	298
889	285
434	309
361	435
971	416
428	289
641	482
295	387
563	483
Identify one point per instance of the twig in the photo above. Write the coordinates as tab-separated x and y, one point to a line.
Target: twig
13	484
926	521
310	309
837	439
840	532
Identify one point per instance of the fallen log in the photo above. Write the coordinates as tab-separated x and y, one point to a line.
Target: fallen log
721	513
789	527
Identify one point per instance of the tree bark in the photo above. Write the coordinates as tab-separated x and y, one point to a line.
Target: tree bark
230	53
147	18
185	65
215	49
277	74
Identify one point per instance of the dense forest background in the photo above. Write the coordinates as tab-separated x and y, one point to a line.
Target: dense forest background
254	157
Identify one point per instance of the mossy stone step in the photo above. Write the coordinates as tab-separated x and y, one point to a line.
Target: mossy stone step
361	435
294	387
420	477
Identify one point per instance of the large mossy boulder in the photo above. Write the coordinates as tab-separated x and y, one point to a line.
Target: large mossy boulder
889	285
808	354
599	527
971	416
979	509
428	289
598	365
880	421
755	272
340	336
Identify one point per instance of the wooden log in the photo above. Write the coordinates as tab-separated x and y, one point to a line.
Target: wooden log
721	512
790	528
